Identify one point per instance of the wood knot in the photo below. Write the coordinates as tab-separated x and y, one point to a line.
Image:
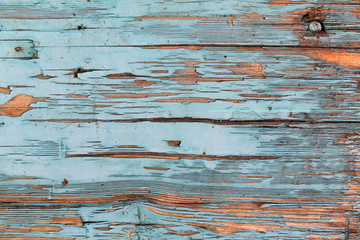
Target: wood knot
314	19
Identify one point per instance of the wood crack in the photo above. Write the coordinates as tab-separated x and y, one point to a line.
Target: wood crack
169	156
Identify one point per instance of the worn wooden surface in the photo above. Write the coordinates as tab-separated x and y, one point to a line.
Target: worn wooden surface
179	119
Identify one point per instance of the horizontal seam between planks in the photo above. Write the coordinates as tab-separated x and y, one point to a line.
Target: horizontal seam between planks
198	120
207	45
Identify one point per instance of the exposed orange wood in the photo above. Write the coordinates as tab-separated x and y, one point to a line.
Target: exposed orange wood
18	105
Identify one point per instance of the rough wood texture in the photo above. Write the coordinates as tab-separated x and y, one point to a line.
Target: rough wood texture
179	119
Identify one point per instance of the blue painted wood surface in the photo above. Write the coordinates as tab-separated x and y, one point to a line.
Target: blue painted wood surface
179	119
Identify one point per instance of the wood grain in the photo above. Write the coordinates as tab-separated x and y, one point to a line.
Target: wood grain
179	119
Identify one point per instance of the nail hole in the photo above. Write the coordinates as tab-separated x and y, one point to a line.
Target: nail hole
78	70
81	27
316	26
18	49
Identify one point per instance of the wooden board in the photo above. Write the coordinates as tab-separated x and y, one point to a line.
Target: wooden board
179	119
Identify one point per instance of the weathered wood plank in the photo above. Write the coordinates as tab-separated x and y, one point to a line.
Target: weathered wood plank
188	22
310	179
143	219
226	83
